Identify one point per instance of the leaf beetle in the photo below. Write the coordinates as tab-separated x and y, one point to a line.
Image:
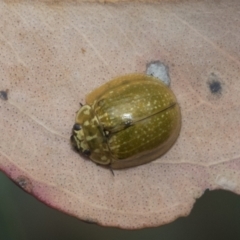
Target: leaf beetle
128	121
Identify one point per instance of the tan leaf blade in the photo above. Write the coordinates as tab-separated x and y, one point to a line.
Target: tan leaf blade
52	55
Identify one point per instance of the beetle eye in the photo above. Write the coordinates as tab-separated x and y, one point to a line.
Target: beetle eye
87	152
77	127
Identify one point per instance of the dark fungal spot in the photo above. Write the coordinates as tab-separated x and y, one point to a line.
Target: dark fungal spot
4	95
215	87
214	84
25	183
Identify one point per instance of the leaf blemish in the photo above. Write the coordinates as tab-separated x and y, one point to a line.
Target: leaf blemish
25	183
214	84
4	95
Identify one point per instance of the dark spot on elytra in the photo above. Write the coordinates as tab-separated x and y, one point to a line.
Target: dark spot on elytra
214	84
128	122
4	95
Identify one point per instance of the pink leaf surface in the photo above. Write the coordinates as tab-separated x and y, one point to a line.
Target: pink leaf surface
53	54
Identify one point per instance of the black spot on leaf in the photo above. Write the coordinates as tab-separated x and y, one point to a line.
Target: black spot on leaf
25	183
4	95
215	87
214	84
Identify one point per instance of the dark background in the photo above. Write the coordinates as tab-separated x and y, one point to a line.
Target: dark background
216	215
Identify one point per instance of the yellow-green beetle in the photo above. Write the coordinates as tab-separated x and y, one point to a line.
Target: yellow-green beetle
127	122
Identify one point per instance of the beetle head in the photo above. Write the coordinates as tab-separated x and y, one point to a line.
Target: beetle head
78	140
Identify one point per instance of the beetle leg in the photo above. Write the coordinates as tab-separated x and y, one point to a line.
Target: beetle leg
110	167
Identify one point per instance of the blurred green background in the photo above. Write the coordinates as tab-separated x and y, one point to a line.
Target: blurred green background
216	215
